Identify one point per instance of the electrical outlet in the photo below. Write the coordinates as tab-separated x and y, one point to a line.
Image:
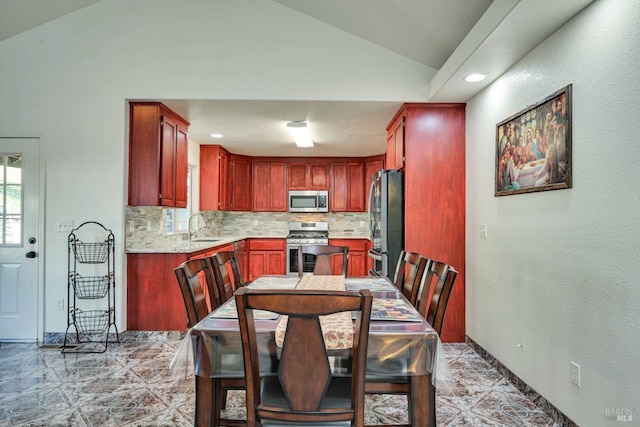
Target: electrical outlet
483	230
64	226
255	222
575	373
60	304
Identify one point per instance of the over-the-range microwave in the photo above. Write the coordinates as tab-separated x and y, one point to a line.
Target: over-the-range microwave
308	201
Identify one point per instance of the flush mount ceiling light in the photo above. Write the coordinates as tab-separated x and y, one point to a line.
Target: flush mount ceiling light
216	135
300	133
472	78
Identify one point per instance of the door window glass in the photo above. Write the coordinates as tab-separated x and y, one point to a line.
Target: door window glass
10	200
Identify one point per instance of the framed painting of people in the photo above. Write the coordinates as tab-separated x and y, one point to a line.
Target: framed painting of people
533	147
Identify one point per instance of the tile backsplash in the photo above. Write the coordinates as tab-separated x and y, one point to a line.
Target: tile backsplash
147	224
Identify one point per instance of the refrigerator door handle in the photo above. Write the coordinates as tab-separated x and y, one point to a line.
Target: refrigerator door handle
370	202
375	255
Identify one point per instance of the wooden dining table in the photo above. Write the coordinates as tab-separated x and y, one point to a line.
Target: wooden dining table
401	344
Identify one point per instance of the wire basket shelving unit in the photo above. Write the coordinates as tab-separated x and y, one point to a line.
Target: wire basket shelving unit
91	276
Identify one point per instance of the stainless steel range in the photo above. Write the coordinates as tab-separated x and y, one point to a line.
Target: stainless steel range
304	233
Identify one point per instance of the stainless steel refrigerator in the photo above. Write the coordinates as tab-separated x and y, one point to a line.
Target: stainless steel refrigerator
386	221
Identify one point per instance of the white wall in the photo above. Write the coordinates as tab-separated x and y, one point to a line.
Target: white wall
559	271
70	79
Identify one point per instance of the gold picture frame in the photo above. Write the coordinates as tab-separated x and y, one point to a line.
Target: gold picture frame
533	147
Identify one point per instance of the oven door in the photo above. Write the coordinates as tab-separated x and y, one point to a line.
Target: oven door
308	261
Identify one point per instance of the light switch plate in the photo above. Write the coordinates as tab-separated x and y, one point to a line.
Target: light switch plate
575	373
64	226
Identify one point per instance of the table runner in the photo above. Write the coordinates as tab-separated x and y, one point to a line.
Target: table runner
336	328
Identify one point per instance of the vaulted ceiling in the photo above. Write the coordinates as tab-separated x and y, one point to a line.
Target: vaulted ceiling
451	37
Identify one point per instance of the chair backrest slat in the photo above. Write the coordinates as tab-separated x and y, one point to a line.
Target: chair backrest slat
437	284
409	273
323	255
226	273
304	373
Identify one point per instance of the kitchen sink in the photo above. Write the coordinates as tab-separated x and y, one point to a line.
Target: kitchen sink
205	239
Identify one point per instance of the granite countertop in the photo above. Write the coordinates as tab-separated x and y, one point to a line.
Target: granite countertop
186	246
347	236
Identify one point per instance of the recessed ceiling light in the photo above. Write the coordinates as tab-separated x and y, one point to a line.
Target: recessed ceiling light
471	78
216	135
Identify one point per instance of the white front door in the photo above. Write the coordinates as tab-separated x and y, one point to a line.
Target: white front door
19	238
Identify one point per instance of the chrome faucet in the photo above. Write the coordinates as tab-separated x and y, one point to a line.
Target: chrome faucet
200	224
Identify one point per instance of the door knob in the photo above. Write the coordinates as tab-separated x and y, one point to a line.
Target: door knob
30	254
32	240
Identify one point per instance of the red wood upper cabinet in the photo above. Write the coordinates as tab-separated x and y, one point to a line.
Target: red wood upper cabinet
279	197
261	184
269	186
356	184
309	176
395	143
347	183
158	148
298	176
240	183
339	194
224	203
168	145
319	176
371	166
182	167
215	178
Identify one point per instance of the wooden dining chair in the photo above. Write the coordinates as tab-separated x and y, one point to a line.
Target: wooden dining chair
409	273
323	254
193	277
304	390
226	273
436	288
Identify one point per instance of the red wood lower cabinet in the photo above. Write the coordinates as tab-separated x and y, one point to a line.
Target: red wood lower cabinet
154	300
357	265
266	256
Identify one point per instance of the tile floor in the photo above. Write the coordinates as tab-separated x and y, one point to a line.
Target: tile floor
131	385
